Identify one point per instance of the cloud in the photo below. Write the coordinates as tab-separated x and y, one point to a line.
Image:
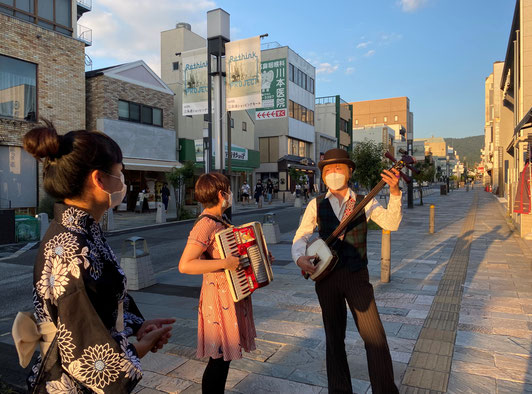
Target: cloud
363	44
129	30
412	5
370	53
326	68
349	70
388	38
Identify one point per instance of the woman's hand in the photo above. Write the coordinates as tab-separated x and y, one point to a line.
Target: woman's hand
154	324
231	262
151	339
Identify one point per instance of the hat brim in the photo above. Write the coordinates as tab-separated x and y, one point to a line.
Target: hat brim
323	163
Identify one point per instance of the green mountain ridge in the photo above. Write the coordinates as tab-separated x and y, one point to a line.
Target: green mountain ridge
467	148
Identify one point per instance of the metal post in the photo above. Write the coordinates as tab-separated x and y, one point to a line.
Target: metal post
431	219
208	159
386	256
410	186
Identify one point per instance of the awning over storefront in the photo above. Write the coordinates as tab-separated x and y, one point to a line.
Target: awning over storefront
150	165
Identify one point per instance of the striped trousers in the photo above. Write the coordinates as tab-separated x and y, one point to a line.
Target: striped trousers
339	286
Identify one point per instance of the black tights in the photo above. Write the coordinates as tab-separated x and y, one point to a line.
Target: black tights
215	376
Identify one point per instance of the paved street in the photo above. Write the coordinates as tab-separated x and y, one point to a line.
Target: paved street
457	310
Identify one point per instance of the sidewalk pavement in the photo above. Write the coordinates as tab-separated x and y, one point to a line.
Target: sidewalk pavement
457	312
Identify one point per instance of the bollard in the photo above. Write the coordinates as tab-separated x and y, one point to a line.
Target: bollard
284	197
431	219
160	217
385	256
43	223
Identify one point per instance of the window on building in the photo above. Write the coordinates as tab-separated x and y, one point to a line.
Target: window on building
269	149
133	112
158	117
18	89
310	115
232	123
297	111
385	119
395	118
51	14
302	149
290	108
303	114
175	66
374	120
291	72
356	121
244	126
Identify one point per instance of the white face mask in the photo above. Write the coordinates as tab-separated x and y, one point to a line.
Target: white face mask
335	181
115	198
227	203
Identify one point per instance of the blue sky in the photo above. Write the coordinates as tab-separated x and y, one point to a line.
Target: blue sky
436	52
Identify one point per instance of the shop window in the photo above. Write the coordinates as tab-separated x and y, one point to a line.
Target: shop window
18	89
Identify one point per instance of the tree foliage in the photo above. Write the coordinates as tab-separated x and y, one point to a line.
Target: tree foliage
297	176
179	178
369	163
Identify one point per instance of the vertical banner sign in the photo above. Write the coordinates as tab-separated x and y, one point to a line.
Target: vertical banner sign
195	82
274	103
243	74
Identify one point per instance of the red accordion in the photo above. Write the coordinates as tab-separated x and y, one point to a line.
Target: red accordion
246	242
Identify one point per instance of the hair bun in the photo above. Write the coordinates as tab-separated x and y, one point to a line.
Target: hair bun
42	141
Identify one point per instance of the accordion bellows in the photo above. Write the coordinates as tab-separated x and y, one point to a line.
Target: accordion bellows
246	242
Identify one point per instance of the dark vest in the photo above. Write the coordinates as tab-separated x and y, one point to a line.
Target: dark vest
352	250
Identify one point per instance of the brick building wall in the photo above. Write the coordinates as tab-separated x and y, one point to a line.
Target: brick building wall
60	76
60	79
103	93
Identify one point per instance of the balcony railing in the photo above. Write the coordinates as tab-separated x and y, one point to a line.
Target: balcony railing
85	35
87	4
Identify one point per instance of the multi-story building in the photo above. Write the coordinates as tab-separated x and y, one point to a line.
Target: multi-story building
42	75
287	141
191	128
515	87
334	122
132	105
392	112
379	134
496	137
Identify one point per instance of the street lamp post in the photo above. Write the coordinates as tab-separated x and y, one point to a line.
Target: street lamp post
218	34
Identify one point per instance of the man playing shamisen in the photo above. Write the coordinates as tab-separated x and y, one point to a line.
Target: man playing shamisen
349	280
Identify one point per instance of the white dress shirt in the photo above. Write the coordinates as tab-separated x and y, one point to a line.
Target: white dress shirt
387	218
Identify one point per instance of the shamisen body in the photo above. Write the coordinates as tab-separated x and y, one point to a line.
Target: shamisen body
349	280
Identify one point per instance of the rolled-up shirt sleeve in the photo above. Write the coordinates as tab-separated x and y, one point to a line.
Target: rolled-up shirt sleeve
387	218
304	231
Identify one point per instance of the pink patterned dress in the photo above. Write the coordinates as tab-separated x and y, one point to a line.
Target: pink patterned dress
224	327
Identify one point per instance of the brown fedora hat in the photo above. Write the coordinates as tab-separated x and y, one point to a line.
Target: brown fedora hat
333	156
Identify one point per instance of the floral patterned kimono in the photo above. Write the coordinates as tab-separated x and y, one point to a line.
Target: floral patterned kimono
80	287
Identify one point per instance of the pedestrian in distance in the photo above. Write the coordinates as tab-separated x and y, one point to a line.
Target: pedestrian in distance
82	309
349	280
269	190
245	190
165	196
224	327
259	191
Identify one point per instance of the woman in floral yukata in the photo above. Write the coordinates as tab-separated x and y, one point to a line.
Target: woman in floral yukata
78	283
224	327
